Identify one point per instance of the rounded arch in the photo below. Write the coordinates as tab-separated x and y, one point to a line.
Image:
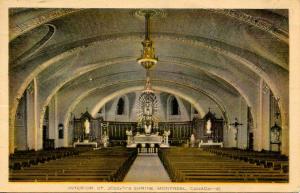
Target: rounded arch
227	53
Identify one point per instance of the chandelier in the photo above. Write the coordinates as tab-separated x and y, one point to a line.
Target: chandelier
148	104
147	59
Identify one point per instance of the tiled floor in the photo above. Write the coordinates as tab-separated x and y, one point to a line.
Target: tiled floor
147	168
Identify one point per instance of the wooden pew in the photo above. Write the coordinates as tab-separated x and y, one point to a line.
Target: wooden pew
191	165
265	158
110	164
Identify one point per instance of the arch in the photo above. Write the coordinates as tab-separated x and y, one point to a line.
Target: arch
227	53
124	91
198	41
72	50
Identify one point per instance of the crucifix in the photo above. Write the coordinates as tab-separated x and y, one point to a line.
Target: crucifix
236	125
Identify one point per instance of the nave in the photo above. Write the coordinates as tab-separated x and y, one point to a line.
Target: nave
176	164
204	90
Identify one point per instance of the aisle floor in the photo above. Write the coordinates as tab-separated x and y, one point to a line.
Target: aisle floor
147	168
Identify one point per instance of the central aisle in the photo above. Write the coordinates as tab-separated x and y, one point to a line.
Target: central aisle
147	168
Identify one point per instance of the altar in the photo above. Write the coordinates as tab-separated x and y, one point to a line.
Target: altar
148	140
210	143
85	143
143	140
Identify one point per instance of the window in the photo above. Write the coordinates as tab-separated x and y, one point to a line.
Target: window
120	107
174	106
60	131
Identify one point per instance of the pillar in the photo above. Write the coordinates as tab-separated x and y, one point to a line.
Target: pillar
20	140
242	133
53	122
30	116
262	126
38	129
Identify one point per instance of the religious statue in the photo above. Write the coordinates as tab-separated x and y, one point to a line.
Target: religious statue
105	140
192	140
86	130
275	136
86	126
166	136
147	128
148	109
208	126
129	136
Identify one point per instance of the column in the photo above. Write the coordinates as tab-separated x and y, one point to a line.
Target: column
53	122
30	117
262	130
243	135
38	128
20	140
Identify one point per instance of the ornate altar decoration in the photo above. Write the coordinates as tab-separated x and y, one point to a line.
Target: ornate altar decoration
275	137
208	130
275	130
147	110
86	130
148	105
275	134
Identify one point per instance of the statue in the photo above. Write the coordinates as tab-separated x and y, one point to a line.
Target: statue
129	136
86	126
208	126
148	109
166	136
105	139
147	128
275	136
192	140
86	130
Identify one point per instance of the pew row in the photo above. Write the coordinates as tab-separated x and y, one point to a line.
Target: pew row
109	164
264	158
195	165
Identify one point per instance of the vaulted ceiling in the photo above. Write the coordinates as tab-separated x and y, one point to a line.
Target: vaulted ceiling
75	53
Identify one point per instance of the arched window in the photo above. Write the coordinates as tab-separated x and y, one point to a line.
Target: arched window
120	107
174	107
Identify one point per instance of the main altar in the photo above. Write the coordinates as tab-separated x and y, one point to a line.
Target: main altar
146	139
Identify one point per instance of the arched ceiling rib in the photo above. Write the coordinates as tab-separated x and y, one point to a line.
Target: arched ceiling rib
32	70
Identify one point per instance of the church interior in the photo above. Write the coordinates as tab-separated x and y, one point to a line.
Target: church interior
152	95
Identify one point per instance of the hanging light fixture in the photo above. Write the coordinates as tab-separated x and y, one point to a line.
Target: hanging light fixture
147	117
148	58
